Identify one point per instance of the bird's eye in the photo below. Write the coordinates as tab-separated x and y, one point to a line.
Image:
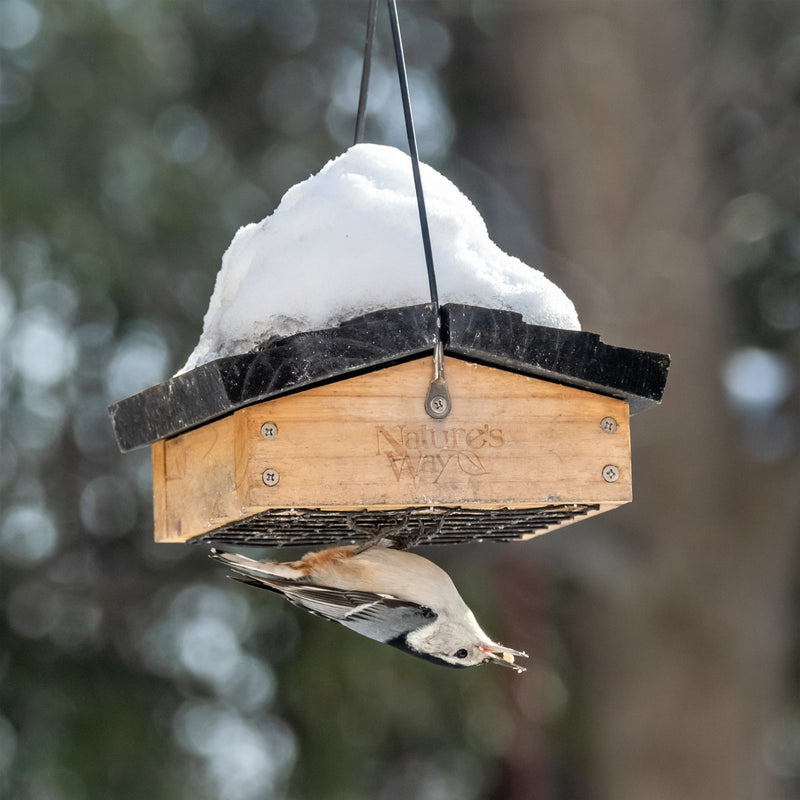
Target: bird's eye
462	653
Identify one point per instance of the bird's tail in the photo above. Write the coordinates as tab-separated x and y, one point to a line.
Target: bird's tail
262	574
249	567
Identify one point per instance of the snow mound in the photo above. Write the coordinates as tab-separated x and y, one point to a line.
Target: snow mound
347	241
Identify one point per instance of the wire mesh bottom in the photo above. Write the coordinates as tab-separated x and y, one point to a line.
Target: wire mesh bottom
407	527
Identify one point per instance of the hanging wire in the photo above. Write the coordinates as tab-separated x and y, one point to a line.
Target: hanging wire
362	96
437	402
412	146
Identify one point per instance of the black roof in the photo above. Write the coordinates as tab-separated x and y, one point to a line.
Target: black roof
379	339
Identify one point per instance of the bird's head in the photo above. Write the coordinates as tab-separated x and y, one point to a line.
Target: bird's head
459	646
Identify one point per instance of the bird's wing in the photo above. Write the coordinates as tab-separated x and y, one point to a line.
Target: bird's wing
388	618
377	616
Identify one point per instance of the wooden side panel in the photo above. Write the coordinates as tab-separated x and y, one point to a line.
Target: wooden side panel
194	486
158	454
510	440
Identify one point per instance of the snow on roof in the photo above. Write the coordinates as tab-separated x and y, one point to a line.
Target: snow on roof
347	241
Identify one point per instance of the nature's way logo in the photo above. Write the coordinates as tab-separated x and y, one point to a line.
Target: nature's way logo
427	452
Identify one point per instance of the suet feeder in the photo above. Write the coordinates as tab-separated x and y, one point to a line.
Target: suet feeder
353	432
324	436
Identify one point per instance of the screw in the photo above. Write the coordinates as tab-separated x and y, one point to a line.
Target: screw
438	404
610	473
608	425
269	430
270	477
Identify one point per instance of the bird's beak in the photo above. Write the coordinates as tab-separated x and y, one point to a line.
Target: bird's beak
497	654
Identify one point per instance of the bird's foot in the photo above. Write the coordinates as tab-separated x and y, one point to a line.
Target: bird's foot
400	534
376	534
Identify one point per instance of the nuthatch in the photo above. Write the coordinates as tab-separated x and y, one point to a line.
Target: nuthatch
392	596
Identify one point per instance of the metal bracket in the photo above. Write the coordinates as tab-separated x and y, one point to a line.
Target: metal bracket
437	402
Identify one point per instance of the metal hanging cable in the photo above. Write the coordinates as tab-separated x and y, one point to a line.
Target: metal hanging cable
412	146
437	402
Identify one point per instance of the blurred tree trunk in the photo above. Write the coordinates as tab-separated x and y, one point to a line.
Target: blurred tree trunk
683	643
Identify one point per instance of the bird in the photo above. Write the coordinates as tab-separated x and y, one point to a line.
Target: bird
391	596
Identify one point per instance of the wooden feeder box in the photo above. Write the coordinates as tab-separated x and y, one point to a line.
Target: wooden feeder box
322	437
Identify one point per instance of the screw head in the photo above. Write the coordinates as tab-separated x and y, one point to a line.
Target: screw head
269	430
608	425
270	477
438	404
610	473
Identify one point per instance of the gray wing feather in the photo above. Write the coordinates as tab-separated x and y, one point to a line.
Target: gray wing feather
388	619
377	616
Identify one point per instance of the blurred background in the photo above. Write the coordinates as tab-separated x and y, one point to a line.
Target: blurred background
646	155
